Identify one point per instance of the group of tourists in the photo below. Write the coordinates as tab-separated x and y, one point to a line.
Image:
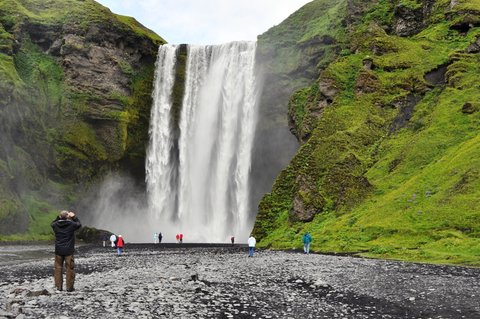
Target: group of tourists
157	238
65	225
116	242
179	238
307	239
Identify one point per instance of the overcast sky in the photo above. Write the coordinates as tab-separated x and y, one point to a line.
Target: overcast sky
206	21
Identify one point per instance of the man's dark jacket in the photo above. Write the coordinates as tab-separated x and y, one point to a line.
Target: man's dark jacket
65	235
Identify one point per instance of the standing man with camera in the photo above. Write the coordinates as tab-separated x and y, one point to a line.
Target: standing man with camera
64	227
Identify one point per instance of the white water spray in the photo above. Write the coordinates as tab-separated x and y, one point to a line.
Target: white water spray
198	180
159	167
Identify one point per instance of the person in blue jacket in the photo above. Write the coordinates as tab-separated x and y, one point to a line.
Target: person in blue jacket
307	239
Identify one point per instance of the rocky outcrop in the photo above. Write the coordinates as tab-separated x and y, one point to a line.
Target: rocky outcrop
408	20
355	11
411	19
307	202
474	47
470	108
93	235
405	106
99	65
307	106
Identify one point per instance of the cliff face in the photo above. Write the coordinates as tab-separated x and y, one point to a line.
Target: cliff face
389	158
75	94
291	56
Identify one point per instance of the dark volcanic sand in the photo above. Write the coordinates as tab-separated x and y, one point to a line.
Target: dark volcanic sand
172	281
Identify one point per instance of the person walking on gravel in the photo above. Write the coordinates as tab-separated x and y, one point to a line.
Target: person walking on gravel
113	239
64	227
104	239
307	239
120	245
251	245
160	236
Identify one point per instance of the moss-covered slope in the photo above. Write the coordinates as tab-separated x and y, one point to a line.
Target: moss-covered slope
75	93
390	159
291	55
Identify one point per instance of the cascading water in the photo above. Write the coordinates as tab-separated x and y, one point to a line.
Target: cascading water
198	175
159	166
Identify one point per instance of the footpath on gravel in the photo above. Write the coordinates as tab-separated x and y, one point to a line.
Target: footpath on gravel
173	281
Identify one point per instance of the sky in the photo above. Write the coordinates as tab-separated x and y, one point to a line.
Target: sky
206	21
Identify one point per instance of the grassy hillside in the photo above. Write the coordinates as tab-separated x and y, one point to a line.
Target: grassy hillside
82	14
390	165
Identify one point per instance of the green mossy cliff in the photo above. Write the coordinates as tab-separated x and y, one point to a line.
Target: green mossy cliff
389	162
75	94
290	57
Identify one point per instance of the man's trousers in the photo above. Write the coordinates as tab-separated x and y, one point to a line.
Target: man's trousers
70	271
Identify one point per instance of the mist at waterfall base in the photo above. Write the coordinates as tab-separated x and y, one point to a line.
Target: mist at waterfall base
198	163
119	205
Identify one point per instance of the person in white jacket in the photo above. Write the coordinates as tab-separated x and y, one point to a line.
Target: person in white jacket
251	245
113	239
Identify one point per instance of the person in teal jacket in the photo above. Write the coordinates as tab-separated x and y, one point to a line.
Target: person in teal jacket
307	239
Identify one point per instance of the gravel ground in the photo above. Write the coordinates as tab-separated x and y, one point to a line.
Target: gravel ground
153	281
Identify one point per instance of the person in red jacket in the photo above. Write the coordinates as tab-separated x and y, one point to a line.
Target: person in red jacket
120	245
181	238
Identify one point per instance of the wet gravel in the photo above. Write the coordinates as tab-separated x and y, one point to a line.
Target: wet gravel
171	281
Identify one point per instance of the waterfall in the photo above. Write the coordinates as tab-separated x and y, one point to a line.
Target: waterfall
198	177
159	164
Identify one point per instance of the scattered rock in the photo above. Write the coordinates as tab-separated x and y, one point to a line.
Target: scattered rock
321	284
274	284
368	63
470	108
6	314
474	47
43	292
